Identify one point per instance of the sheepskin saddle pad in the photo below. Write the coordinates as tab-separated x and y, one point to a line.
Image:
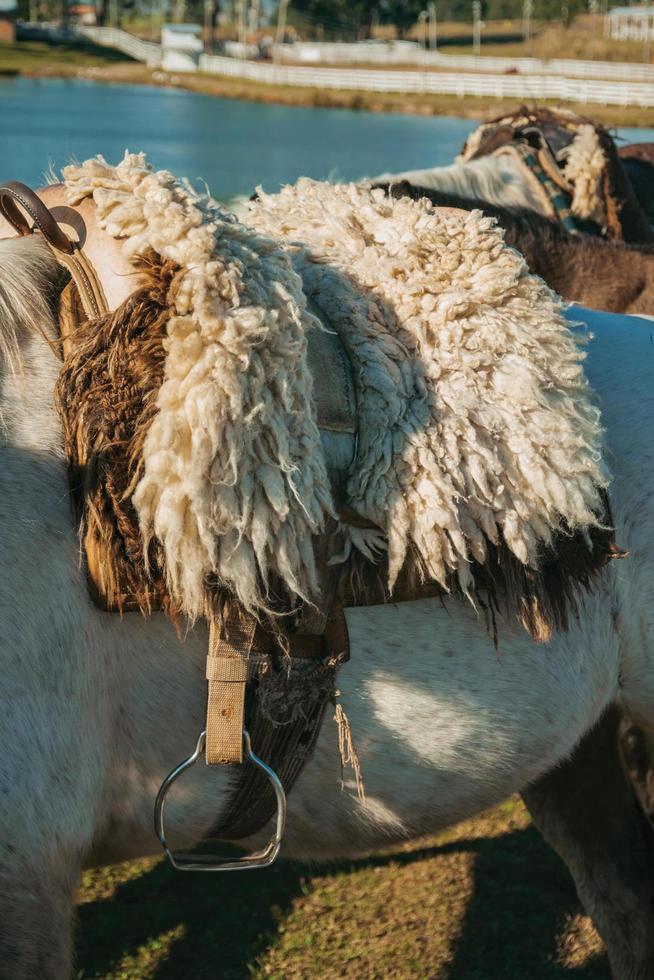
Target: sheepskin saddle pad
192	430
570	151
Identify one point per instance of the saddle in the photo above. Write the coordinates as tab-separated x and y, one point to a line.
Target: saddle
615	213
535	154
291	671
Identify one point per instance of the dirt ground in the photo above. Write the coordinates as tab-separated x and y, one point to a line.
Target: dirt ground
487	900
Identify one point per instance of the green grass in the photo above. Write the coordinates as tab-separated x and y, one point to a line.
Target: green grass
485	901
31	57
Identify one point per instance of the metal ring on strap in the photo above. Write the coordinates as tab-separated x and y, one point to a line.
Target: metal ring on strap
209	862
13	196
18	200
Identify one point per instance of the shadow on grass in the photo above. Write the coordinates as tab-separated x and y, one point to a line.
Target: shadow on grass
522	900
88	49
35	48
520	904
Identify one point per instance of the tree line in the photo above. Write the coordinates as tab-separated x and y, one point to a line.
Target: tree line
333	16
328	19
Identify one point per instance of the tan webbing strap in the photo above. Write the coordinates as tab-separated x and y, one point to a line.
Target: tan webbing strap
230	645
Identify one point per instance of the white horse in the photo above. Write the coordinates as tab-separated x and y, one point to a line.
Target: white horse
95	710
584	154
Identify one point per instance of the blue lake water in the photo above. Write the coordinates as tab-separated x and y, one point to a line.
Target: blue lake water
232	145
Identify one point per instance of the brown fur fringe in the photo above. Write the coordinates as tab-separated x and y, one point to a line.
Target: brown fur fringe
106	397
542	600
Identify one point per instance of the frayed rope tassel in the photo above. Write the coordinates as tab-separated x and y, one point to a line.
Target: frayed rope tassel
347	752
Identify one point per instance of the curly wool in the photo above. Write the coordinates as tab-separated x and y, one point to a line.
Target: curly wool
475	419
233	481
584	160
584	169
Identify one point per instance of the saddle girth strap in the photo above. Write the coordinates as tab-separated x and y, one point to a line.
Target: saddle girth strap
279	695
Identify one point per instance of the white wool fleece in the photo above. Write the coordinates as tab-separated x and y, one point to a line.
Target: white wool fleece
474	413
585	165
234	481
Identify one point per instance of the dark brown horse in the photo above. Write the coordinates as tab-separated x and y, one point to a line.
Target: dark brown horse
638	162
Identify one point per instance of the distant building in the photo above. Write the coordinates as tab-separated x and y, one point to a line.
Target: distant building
181	47
630	23
82	13
7	20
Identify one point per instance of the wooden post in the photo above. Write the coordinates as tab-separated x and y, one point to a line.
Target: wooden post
476	27
281	25
433	26
648	34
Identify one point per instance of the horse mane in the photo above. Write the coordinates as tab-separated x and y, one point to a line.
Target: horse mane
626	218
29	286
483	179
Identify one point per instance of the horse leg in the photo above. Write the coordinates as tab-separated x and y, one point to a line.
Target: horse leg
637	748
36	916
586	809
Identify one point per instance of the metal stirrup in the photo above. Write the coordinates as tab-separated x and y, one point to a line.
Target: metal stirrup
208	862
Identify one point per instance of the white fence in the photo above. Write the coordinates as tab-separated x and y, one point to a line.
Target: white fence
410	53
437	83
111	37
348	53
520	87
568	67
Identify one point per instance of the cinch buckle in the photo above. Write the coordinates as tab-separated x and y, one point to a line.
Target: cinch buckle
208	862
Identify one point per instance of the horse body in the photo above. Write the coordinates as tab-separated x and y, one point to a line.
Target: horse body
97	709
638	162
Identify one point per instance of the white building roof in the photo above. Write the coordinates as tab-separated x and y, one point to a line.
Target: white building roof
637	10
180	28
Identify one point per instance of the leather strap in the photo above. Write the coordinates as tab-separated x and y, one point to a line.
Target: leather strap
230	646
92	296
284	709
13	196
18	204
